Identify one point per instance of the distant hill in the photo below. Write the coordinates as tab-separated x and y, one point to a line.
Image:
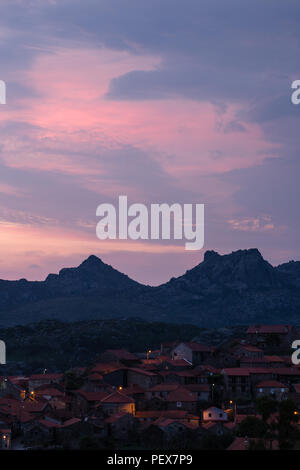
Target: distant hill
60	346
233	289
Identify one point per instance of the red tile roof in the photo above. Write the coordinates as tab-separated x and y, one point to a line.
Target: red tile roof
197	347
92	396
269	329
53	392
181	394
122	354
274	359
142	371
106	367
46	377
117	397
236	371
271	384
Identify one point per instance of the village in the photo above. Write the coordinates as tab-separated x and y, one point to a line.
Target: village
243	394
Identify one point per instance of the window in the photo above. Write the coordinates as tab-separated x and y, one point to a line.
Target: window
209	415
220	415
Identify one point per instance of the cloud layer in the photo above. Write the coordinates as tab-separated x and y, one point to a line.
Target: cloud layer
163	101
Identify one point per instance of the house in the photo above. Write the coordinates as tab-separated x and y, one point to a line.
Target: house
243	350
161	390
181	398
120	355
167	347
53	396
164	432
203	391
149	416
237	381
141	377
118	402
272	387
116	377
194	353
214	414
37	380
120	425
84	401
270	336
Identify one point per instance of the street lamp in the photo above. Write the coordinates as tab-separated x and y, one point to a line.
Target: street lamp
148	352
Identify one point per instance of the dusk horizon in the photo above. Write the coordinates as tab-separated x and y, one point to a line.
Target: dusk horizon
106	260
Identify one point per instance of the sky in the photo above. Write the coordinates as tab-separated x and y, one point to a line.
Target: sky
162	101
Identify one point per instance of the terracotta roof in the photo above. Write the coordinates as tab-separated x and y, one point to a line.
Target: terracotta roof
181	394
122	354
92	396
237	371
142	371
117	397
270	384
95	377
249	347
274	359
178	362
70	422
268	329
48	424
53	392
106	367
199	347
46	377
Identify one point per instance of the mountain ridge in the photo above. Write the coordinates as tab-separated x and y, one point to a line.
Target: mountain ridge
235	288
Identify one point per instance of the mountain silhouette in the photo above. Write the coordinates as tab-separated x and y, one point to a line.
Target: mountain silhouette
232	289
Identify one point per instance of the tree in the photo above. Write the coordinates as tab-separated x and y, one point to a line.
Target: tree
252	427
287	431
266	406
